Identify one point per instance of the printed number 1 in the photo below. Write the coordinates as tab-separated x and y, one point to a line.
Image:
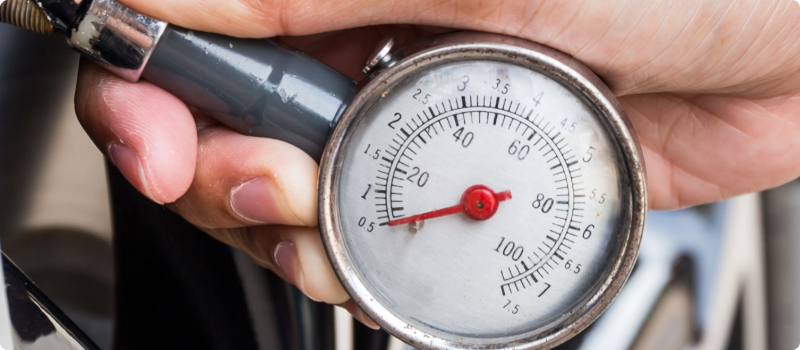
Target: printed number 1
369	187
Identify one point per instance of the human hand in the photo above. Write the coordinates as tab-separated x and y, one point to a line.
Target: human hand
710	86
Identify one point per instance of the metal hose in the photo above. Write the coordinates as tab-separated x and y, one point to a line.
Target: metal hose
25	14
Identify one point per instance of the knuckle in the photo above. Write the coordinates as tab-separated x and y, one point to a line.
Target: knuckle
273	14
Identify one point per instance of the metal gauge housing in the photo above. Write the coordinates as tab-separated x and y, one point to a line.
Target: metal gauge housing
560	170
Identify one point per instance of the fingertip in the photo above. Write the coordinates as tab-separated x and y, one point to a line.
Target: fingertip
263	200
246	180
358	314
318	281
146	132
297	183
127	160
300	258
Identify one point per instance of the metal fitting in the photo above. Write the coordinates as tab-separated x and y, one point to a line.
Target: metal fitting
63	13
25	14
119	38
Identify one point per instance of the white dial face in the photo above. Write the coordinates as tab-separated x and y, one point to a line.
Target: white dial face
434	136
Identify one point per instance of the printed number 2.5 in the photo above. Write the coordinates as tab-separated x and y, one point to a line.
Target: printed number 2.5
417	96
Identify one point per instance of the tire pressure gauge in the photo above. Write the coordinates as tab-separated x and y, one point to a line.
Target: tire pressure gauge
478	192
482	192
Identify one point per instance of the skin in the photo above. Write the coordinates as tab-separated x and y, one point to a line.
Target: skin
712	88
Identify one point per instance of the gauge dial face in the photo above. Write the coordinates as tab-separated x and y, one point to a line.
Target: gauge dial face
542	157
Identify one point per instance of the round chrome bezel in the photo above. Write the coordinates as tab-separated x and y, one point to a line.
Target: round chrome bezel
428	54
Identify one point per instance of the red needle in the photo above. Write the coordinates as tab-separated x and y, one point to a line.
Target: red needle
477	203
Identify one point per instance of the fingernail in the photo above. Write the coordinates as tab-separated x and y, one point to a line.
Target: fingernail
286	258
359	315
261	201
126	159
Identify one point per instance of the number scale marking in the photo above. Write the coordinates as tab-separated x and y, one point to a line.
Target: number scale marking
507	114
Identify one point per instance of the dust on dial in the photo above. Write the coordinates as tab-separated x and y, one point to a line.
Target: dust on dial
548	165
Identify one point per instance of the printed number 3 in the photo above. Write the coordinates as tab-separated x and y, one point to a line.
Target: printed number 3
465	80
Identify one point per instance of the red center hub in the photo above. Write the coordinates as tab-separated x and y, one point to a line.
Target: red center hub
479	203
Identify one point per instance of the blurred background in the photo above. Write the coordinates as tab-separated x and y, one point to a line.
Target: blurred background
720	276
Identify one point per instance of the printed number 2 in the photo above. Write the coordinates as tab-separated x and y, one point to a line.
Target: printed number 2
399	116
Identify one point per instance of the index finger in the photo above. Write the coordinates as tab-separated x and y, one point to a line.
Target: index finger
268	18
634	46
